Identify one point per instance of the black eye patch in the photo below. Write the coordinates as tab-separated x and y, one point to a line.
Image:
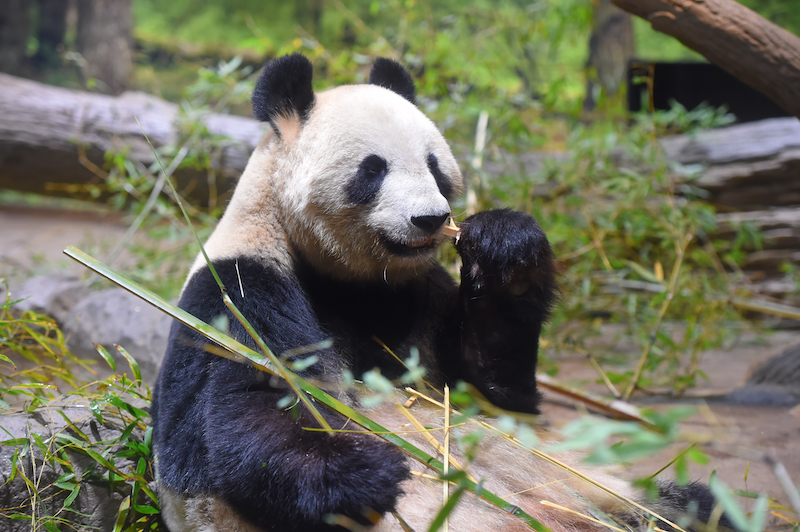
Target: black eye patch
441	180
364	186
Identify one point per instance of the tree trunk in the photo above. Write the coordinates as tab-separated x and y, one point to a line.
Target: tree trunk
738	40
13	35
104	40
51	32
611	45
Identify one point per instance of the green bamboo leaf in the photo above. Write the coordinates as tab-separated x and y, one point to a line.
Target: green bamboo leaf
72	425
732	508
102	460
142	509
14	442
33	386
107	357
137	372
122	514
72	441
644	273
447	509
72	496
119	403
97	410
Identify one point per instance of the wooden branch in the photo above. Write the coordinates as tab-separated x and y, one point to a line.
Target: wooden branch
45	131
738	40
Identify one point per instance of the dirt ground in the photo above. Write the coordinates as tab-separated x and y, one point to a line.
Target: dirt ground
740	440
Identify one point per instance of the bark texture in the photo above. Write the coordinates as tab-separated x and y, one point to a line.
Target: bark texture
758	52
51	32
611	44
45	132
13	35
104	40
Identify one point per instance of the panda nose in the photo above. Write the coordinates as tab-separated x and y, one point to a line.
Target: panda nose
430	224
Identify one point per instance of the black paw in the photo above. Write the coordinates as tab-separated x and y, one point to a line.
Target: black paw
362	476
507	250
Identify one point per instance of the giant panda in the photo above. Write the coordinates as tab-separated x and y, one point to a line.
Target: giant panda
331	235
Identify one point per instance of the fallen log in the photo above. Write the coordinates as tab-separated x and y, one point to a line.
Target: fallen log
50	136
749	166
45	131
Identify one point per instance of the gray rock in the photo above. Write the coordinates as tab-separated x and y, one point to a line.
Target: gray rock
53	295
115	316
97	503
774	382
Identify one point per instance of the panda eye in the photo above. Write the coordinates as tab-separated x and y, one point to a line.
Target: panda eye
373	167
364	186
445	187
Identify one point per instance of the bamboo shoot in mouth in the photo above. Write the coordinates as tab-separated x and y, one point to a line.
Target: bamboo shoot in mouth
451	230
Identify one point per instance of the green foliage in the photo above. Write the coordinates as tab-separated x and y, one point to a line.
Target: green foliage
758	516
38	375
783	13
631	441
637	251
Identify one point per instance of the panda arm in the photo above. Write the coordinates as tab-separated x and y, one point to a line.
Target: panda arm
255	455
277	474
508	286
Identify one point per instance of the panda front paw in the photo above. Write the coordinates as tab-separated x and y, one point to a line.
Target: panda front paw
504	250
362	477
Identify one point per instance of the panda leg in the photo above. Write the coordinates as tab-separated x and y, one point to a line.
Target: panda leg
282	477
508	285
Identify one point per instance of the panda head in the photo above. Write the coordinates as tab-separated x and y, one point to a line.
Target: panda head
362	177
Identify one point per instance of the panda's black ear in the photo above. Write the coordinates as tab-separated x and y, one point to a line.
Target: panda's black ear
391	75
284	90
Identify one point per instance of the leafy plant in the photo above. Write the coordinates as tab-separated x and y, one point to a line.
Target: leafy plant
81	431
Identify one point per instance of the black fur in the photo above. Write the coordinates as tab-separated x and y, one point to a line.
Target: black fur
283	89
365	185
217	426
696	502
392	75
441	181
218	429
508	286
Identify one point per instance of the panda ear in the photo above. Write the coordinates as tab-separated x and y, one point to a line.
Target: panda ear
283	95
391	75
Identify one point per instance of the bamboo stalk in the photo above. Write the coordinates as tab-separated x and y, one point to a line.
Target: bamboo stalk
673	284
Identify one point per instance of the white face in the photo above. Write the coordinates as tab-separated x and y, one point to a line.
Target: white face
366	185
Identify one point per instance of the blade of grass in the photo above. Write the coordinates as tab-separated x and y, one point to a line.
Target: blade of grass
240	353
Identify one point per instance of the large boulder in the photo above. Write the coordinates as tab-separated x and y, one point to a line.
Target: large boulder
53	295
773	382
115	316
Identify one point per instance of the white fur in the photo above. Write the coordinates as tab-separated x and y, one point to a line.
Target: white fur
294	186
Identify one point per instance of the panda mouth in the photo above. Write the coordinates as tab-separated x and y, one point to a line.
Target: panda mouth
411	247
